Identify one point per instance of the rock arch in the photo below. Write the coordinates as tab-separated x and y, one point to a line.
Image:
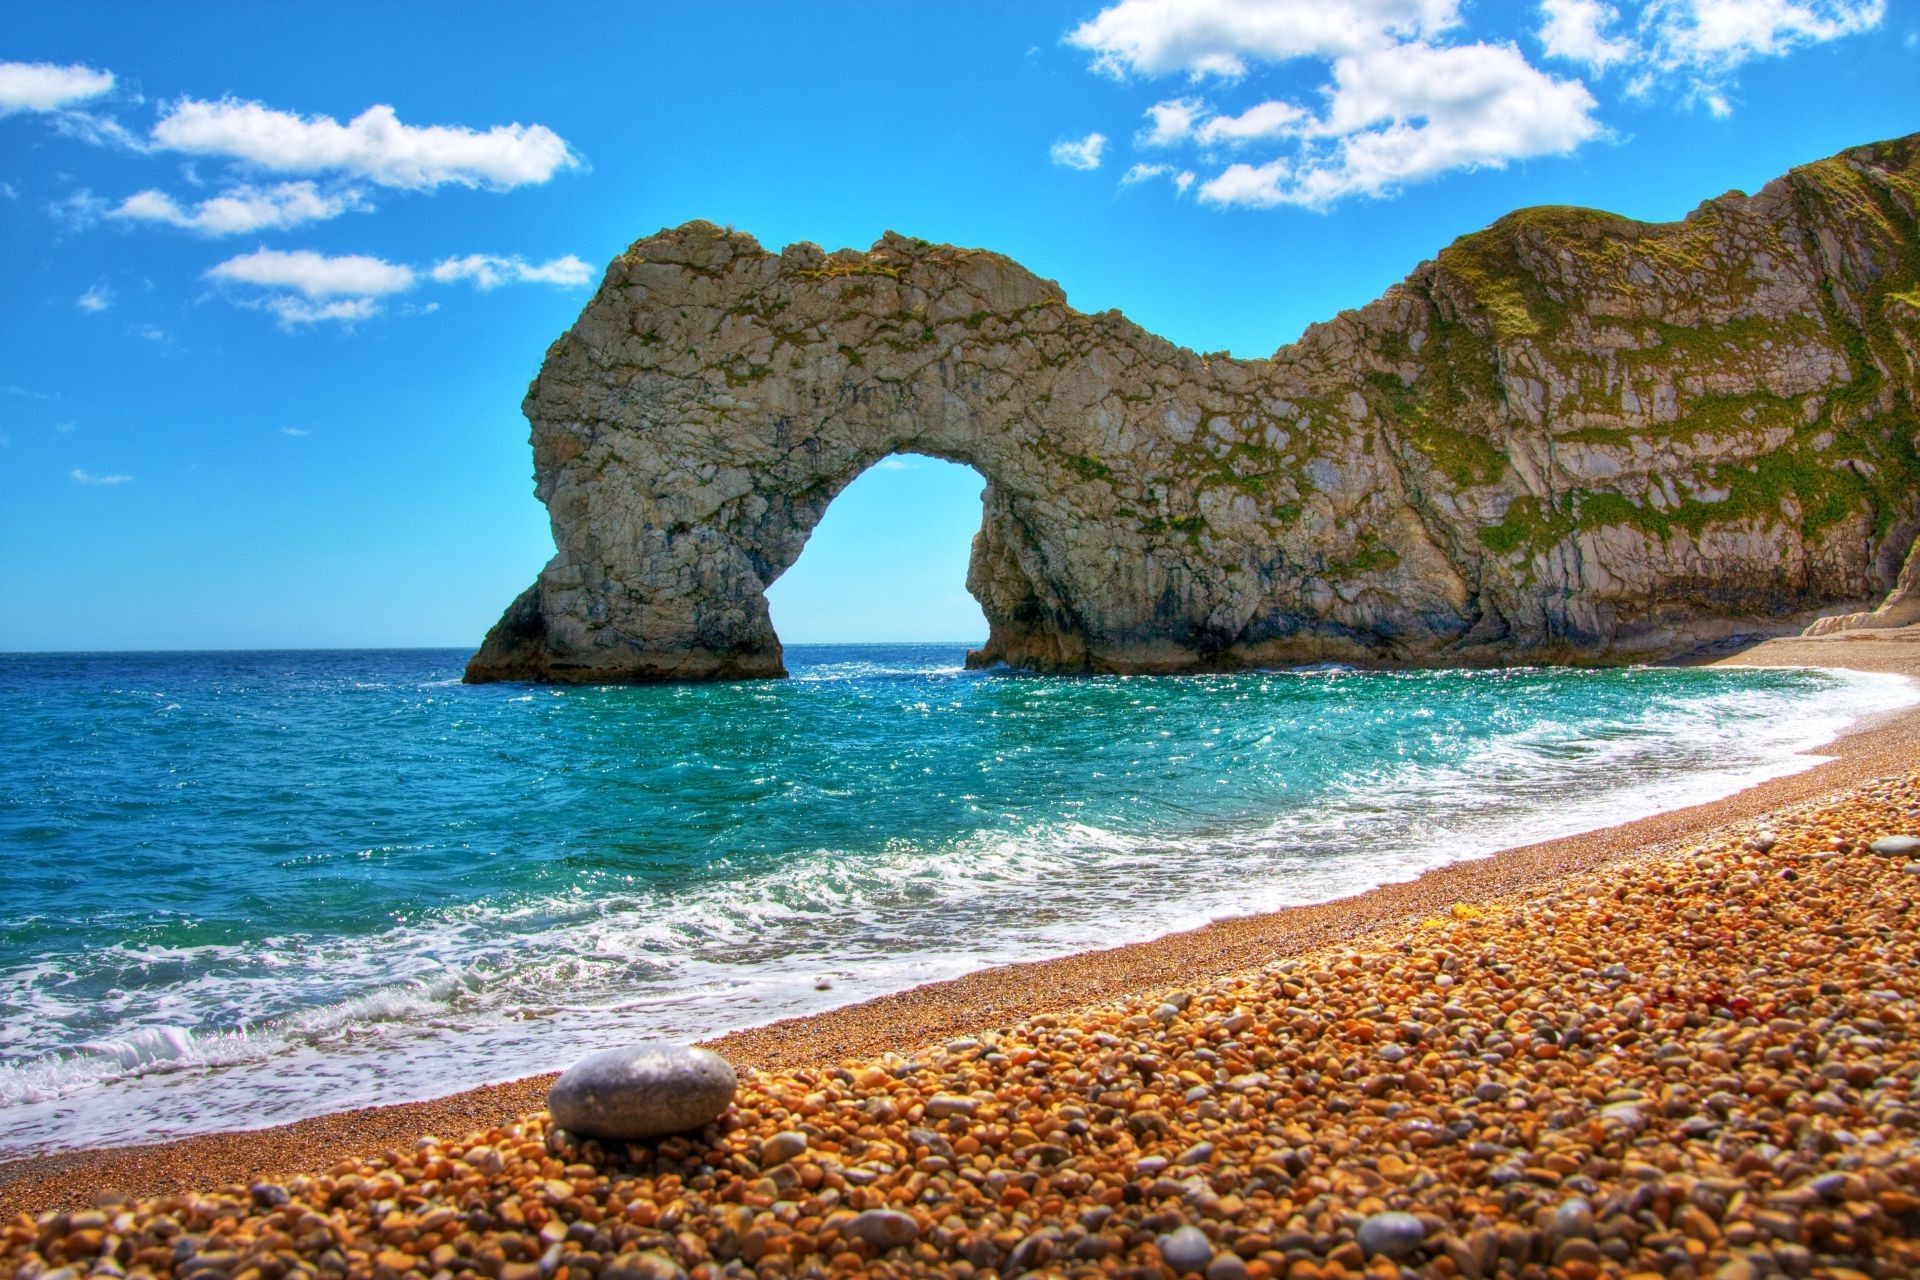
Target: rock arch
1557	441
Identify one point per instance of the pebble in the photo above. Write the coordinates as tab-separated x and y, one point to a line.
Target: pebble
782	1147
1392	1235
1186	1249
1673	1064
884	1228
642	1092
1896	846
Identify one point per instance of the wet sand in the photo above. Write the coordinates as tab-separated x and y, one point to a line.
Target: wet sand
999	998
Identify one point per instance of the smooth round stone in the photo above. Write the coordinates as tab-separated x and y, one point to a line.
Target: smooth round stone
1896	846
1573	1219
642	1092
1394	1235
782	1147
1186	1249
884	1228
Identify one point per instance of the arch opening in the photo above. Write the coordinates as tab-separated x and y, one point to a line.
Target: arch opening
888	561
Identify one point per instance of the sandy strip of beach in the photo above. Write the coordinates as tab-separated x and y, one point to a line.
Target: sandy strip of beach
1000	997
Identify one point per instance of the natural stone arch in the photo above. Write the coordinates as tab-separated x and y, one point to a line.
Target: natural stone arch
1560	441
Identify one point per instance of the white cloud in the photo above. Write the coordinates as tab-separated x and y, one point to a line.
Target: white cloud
894	463
96	299
296	432
87	477
10	191
1144	173
1699	44
1081	154
1264	120
1226	37
1173	122
1578	31
1182	180
153	333
242	209
374	145
96	130
1722	34
42	86
488	271
78	209
294	312
1410	112
306	288
316	275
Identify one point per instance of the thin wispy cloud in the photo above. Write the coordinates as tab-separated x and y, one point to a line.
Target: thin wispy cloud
78	209
44	86
307	288
1699	45
88	477
243	209
375	145
296	432
316	275
96	299
488	271
1079	153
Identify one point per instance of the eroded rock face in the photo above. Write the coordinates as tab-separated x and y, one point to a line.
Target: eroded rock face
1570	437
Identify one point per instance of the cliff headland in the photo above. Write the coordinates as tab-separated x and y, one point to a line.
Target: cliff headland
1570	437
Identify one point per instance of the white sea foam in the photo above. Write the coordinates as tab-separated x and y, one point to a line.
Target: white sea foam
498	989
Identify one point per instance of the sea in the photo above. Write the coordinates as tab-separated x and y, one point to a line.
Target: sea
245	888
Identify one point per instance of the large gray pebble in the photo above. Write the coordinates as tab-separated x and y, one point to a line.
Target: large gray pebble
1897	846
1187	1249
1393	1234
642	1092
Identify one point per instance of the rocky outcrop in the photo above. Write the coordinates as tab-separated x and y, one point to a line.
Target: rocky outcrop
1569	437
1901	608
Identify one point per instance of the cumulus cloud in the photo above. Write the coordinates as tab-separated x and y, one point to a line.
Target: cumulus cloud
88	477
316	275
43	86
242	209
488	271
96	299
1263	120
1083	153
1409	112
1577	30
1171	122
1398	101
375	145
1225	38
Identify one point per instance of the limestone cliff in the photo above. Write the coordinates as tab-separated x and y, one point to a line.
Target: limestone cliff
1570	437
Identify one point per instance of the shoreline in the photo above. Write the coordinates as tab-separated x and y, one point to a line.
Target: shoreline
998	997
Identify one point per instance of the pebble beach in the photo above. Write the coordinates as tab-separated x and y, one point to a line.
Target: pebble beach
1683	1048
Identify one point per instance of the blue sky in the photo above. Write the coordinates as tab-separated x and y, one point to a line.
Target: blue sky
276	277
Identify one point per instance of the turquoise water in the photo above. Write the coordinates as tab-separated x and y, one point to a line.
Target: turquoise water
243	888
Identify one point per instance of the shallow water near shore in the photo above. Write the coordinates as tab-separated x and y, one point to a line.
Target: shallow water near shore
245	888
